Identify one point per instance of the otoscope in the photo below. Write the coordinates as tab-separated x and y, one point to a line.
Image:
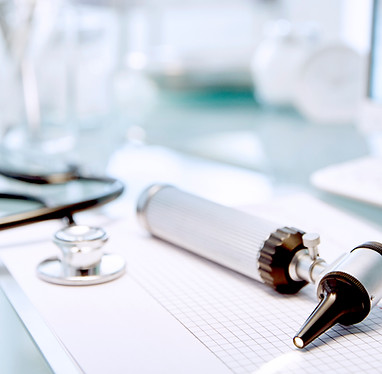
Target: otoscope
285	258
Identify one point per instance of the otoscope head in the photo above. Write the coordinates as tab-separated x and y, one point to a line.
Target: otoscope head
343	300
347	292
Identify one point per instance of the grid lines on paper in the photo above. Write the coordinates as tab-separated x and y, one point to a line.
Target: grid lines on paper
245	324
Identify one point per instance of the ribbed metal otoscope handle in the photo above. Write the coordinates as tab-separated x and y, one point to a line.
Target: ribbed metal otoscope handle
224	235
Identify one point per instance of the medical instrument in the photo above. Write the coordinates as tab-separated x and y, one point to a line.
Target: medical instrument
82	261
107	188
284	258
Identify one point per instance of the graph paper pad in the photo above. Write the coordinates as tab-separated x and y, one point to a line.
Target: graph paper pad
244	324
248	326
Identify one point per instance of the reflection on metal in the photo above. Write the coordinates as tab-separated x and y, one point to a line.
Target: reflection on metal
82	261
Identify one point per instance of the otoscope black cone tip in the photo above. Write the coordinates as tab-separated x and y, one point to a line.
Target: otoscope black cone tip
323	317
343	300
298	342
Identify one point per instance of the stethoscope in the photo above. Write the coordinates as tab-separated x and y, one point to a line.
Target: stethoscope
81	260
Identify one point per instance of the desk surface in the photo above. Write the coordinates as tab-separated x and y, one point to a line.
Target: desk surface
121	327
280	144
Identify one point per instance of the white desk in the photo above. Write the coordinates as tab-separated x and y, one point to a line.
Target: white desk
118	326
137	167
282	144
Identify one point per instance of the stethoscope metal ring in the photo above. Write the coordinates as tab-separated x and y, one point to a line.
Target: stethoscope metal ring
82	261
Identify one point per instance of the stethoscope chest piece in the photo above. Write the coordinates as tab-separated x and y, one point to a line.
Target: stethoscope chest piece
82	261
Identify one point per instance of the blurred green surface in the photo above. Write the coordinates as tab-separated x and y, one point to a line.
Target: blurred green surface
18	353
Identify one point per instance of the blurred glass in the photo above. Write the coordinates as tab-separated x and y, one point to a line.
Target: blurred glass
198	45
61	56
52	195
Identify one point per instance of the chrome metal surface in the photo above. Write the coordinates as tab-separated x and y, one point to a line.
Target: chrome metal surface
311	240
144	200
82	260
81	245
52	270
364	265
303	267
224	235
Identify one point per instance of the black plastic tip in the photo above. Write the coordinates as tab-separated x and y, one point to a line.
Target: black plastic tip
326	315
343	300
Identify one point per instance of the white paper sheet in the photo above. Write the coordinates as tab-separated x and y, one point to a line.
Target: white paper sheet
176	312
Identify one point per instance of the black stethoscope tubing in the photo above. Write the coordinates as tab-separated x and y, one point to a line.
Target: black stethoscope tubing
115	189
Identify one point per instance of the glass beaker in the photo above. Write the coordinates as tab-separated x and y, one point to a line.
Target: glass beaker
63	55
